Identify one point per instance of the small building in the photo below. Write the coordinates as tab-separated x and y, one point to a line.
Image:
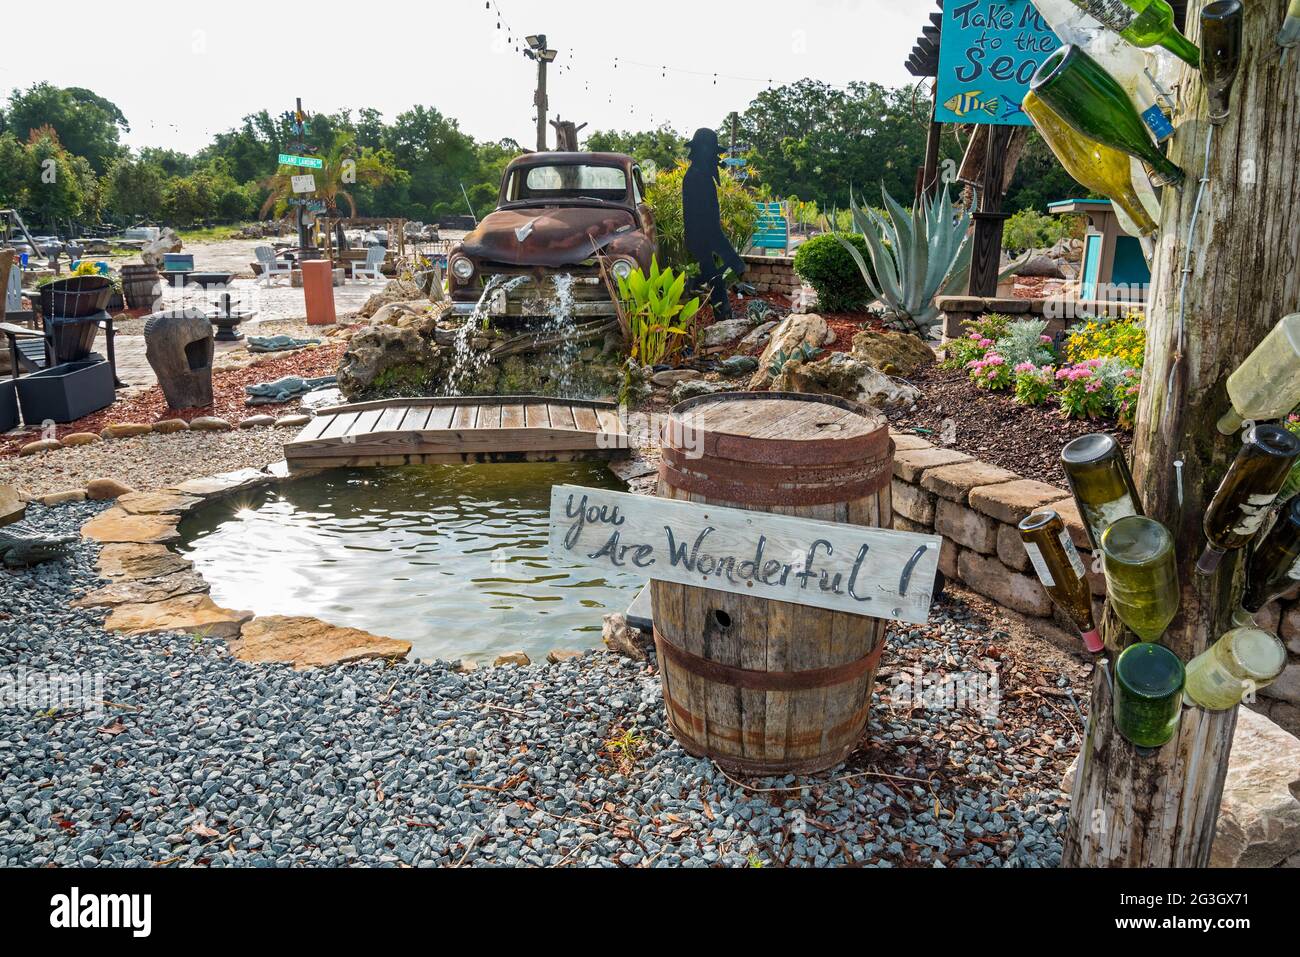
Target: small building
1113	267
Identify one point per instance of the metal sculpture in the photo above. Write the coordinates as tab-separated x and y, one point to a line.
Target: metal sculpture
706	241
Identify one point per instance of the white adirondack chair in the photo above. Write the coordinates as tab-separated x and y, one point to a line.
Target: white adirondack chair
375	256
271	266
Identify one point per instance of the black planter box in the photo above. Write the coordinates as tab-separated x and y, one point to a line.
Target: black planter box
64	393
8	406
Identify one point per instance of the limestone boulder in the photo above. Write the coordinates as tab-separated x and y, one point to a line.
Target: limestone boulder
397	290
186	614
893	353
309	643
12	507
156	503
130	562
117	526
621	638
789	337
144	591
392	358
106	489
167	242
718	335
694	388
842	375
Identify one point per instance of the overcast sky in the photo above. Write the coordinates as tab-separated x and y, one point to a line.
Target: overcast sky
183	71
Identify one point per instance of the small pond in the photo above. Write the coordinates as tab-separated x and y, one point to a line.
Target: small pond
453	559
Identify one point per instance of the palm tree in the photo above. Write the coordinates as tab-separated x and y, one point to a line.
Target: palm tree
344	165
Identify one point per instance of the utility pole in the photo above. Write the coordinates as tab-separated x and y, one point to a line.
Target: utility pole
734	122
537	50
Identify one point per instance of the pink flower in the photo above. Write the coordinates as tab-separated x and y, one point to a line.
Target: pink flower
994	359
1026	367
1094	387
1045	340
986	343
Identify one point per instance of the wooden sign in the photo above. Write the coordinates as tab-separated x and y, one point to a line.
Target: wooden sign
304	184
864	571
988	50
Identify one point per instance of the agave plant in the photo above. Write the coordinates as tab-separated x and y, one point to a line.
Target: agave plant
916	257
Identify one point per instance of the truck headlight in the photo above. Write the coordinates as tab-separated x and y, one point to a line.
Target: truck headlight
623	268
462	268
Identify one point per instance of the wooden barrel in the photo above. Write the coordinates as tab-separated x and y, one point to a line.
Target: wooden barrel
141	287
762	686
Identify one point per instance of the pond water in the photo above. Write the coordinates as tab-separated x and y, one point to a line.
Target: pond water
453	559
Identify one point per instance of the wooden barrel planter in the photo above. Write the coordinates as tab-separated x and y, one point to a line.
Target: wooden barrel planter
141	287
760	686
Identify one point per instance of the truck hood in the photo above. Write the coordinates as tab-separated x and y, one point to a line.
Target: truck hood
538	236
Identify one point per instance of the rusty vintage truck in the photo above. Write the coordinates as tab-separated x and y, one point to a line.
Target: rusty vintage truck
556	213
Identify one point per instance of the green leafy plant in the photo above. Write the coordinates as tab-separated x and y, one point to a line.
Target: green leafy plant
655	311
981	336
825	264
1030	229
914	257
1082	393
992	373
1034	385
624	746
664	195
804	353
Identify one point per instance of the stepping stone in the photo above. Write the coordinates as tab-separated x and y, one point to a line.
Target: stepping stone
226	482
309	643
127	562
188	614
117	526
144	591
157	503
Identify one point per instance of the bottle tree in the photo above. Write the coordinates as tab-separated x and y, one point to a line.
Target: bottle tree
1161	809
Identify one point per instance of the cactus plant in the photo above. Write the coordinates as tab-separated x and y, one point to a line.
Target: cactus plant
915	257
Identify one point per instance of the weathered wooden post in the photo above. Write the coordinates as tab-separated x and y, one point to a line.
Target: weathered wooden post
1161	810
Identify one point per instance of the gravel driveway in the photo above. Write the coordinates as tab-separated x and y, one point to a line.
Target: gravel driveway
200	760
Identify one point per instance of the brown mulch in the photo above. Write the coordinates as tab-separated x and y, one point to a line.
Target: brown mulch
993	428
227	391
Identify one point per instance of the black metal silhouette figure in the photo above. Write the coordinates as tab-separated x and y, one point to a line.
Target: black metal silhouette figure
705	239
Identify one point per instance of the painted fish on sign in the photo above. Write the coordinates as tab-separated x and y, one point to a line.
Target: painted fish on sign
871	572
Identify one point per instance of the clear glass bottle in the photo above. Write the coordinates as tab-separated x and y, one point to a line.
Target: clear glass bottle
1274	566
1143	23
1267	385
1290	34
1101	482
1141	575
1095	165
1238	664
1221	27
1148	686
1093	102
1062	573
1249	490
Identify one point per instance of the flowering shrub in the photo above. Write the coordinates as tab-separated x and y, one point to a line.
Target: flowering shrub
1124	339
981	336
1034	384
992	372
1082	394
1125	399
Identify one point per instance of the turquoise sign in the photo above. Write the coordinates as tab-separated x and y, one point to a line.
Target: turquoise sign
989	50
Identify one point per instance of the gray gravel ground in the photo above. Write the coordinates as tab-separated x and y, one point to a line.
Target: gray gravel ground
201	760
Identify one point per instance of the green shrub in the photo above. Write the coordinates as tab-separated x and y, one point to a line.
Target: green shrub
664	195
1030	229
829	268
1024	341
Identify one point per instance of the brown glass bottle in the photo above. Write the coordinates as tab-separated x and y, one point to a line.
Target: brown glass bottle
1274	567
1102	484
1061	570
1243	501
1221	27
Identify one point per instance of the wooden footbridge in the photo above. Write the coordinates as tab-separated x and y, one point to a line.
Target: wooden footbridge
456	431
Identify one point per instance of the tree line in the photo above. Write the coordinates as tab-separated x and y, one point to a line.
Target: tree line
64	165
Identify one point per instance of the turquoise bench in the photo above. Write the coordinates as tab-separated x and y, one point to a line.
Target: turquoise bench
772	230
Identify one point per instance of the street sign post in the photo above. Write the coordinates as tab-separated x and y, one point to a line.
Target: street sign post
304	162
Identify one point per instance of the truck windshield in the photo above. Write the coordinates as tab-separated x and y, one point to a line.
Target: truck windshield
569	181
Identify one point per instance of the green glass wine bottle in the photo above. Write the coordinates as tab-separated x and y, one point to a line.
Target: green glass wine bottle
1062	573
1290	33
1149	682
1143	23
1088	98
1274	566
1248	493
1240	663
1102	484
1267	386
1141	575
1221	28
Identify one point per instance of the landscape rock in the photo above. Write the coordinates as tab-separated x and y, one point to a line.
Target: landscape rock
74	439
893	353
106	489
12	507
561	655
63	498
621	638
153	251
41	445
188	614
842	375
209	423
397	290
758	336
125	430
293	421
516	658
737	366
793	332
719	334
695	388
171	426
257	422
671	377
1040	266
156	503
309	643
144	591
